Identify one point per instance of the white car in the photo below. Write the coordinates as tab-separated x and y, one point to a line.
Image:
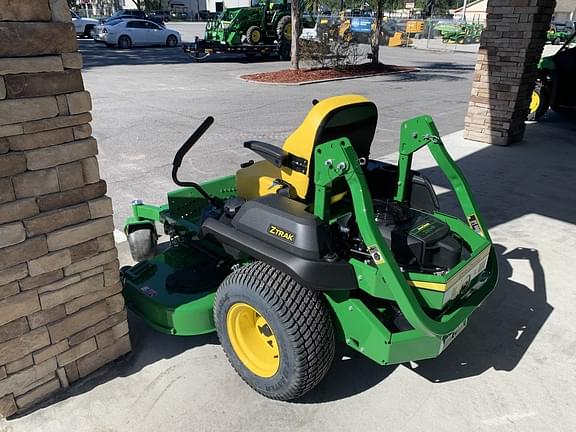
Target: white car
126	33
83	26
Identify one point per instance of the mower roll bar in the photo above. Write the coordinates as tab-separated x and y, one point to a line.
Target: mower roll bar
338	159
182	152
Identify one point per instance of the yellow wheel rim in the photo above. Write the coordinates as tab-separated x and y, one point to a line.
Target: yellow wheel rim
253	340
255	36
287	33
534	101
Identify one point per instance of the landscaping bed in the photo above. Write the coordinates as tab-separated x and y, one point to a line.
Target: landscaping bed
291	76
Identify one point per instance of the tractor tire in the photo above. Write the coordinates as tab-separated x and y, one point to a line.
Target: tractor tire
253	35
284	28
277	334
142	243
540	102
124	42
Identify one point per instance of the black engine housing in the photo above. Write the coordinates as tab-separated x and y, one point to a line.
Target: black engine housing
418	240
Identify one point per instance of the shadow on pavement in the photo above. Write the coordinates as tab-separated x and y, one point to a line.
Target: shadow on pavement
501	330
99	55
436	71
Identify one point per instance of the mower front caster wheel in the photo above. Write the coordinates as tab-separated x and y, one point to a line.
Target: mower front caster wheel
277	334
142	242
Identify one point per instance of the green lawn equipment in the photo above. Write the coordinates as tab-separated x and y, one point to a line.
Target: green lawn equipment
461	33
555	87
558	35
260	29
315	243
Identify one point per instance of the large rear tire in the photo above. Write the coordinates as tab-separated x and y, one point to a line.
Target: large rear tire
539	102
284	28
277	334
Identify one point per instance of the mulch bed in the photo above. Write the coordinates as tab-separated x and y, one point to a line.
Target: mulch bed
290	76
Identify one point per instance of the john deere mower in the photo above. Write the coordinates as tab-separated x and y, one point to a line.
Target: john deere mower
313	245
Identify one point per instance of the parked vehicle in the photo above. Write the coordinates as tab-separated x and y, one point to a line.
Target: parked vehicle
127	13
179	16
126	33
164	16
83	26
134	13
555	87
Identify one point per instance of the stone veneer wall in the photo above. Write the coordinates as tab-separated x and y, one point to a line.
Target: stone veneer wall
61	311
510	49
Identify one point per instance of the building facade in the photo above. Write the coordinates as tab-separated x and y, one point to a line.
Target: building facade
99	8
189	7
220	5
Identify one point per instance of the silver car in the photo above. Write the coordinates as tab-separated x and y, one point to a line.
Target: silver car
126	33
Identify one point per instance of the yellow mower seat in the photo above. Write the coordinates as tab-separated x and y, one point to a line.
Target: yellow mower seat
350	116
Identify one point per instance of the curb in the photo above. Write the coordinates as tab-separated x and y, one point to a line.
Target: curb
329	79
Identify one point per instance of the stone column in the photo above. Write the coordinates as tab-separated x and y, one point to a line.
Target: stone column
506	69
61	311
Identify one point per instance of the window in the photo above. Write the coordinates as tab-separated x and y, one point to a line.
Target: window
136	24
151	26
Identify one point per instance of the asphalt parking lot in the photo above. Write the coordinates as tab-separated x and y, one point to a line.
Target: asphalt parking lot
512	369
147	101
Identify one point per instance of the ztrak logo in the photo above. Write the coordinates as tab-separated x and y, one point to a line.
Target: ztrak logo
284	235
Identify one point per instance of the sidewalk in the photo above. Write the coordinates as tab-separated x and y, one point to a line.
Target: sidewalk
512	369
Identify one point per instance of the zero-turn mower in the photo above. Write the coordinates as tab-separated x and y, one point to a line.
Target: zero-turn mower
315	244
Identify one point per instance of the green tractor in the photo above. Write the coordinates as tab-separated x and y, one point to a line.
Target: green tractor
460	34
558	34
314	245
257	29
555	87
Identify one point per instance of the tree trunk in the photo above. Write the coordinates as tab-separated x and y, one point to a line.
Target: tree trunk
375	40
295	51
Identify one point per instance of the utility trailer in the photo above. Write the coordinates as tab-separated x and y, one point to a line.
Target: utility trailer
203	48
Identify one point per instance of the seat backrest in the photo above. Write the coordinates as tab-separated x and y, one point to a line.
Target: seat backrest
350	116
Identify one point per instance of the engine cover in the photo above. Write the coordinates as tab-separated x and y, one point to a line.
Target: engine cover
418	240
283	223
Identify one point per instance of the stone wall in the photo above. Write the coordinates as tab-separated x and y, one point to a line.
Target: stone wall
61	311
506	69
